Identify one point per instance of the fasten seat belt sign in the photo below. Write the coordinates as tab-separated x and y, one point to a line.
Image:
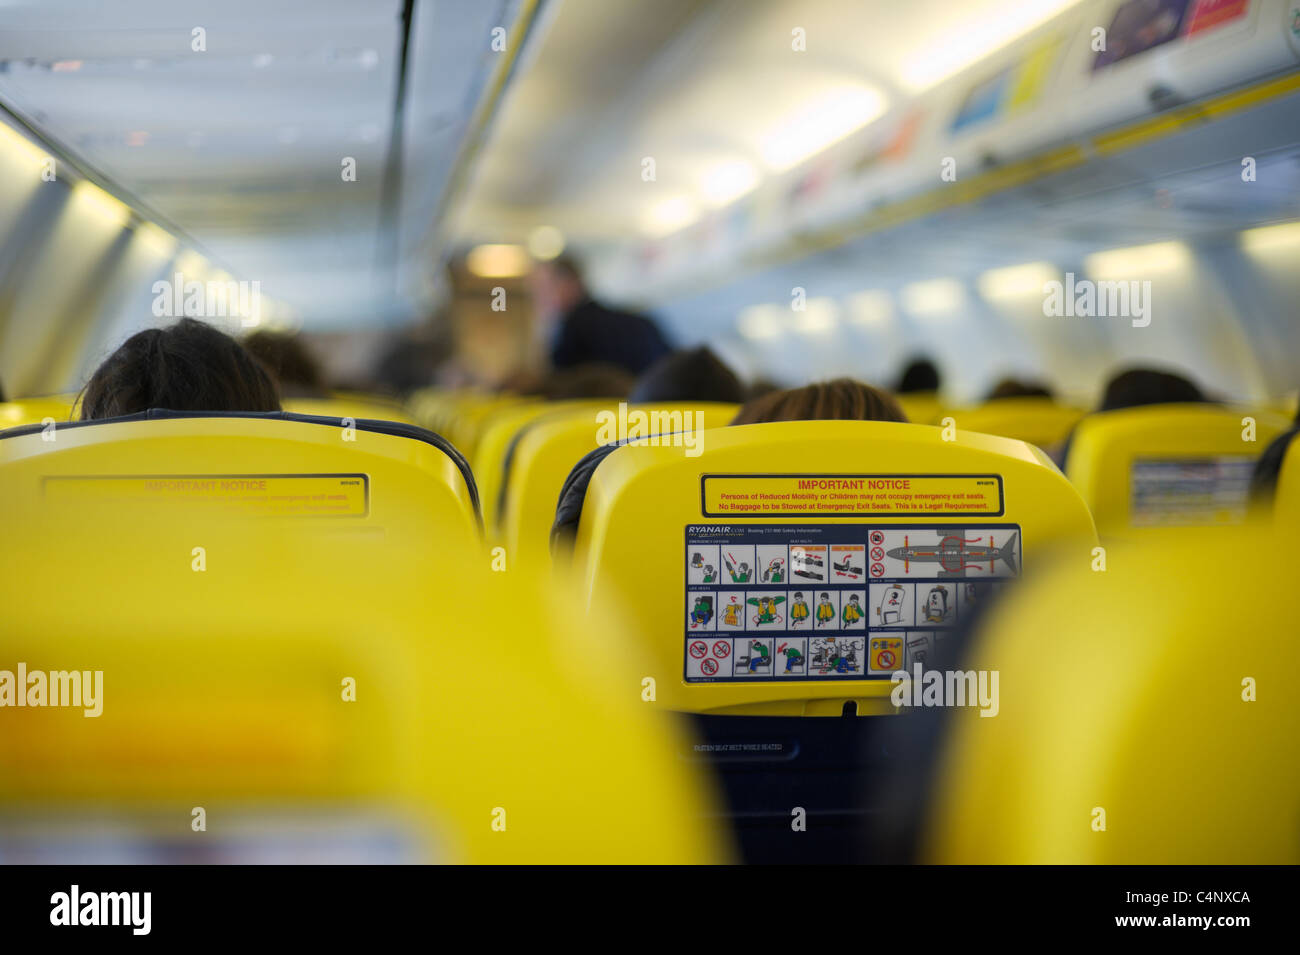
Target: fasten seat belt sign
851	495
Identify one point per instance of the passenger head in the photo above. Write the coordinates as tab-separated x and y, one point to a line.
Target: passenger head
556	286
1146	386
1015	388
590	380
188	366
289	361
689	375
920	375
841	399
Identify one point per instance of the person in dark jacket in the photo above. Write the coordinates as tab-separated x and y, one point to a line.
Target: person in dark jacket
582	330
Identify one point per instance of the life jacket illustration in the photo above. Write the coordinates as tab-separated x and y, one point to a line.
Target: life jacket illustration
825	612
852	612
891	605
766	609
793	658
936	605
702	612
799	609
731	614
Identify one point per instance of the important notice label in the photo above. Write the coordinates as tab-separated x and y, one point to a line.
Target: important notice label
850	495
253	495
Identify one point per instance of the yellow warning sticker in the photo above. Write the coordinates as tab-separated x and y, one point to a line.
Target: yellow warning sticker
851	495
252	495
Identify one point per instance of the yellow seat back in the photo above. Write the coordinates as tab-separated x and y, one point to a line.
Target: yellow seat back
324	732
1167	466
35	410
459	415
497	435
1146	714
144	487
1286	498
1039	421
299	634
723	559
548	447
921	407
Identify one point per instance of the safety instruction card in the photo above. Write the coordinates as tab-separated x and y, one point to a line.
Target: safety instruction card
833	601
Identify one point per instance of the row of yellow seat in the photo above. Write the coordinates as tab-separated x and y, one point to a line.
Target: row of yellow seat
254	539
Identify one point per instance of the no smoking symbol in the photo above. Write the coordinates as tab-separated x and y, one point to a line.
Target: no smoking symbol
877	553
877	570
698	649
721	649
886	659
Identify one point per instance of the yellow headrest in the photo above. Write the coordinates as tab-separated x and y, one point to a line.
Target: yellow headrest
349	406
1040	421
921	407
339	731
35	410
775	516
548	449
1163	466
1155	699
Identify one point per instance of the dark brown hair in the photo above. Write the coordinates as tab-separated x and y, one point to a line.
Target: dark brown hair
842	398
189	366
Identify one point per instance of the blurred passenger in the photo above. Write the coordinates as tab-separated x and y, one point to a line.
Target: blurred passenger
418	358
290	363
592	380
840	399
760	387
1147	386
1015	388
689	375
189	366
578	329
1135	388
920	375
